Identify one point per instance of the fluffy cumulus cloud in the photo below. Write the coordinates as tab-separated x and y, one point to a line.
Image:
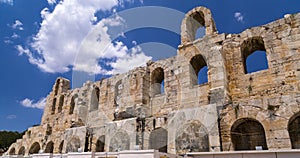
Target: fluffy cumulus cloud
71	36
40	104
17	25
10	2
239	17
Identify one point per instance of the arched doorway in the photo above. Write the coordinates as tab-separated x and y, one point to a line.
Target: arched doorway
159	140
100	144
61	145
21	151
12	151
49	147
294	131
247	134
35	148
192	137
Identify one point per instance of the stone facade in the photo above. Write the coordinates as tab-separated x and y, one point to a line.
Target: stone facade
234	110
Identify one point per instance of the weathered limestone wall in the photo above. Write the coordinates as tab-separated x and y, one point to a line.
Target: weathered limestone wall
134	111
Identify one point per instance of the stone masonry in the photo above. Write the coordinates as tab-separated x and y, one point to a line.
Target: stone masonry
234	110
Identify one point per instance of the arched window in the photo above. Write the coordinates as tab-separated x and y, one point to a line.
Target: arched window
197	25
12	151
72	105
247	134
159	140
254	55
61	103
21	151
35	148
157	81
56	87
118	90
49	147
100	144
53	106
95	99
192	137
294	131
199	70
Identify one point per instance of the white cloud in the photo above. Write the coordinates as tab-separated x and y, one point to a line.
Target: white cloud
31	104
239	17
51	2
10	2
10	117
17	25
15	36
55	46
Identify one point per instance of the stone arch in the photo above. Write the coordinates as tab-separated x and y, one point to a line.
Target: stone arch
119	141
95	99
100	144
72	104
247	134
192	137
73	144
158	140
198	63
21	151
294	130
12	151
118	89
157	81
49	147
61	103
60	148
35	148
250	47
194	19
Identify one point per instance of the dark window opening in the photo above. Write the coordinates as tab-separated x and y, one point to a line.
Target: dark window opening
294	132
100	144
56	86
61	103
12	151
248	134
53	106
95	99
158	83
35	148
197	25
200	69
61	145
21	151
49	147
72	105
254	55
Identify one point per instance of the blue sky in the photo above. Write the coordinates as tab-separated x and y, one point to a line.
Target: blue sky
40	41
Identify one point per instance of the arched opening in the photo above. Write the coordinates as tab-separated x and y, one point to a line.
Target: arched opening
53	106
254	55
72	105
100	144
21	151
61	103
35	148
95	99
157	81
12	151
196	25
199	70
294	131
60	148
120	141
56	87
73	145
49	147
248	134
192	137
159	140
118	90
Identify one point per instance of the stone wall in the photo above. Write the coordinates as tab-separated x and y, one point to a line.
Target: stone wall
131	110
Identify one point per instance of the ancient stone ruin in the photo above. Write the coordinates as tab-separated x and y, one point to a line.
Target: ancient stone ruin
162	106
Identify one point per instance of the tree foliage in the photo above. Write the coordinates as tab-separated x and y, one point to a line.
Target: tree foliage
8	137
